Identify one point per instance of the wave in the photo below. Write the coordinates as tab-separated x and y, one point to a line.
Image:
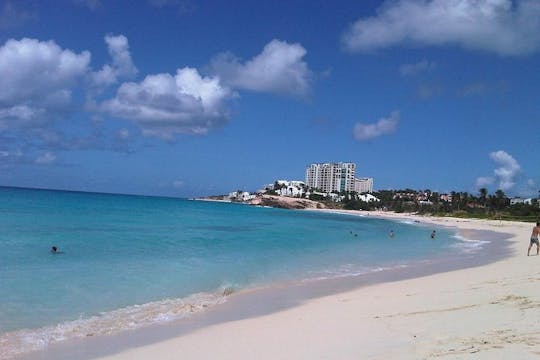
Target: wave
349	270
468	245
17	342
408	222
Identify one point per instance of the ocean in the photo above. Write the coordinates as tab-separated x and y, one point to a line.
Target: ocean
125	262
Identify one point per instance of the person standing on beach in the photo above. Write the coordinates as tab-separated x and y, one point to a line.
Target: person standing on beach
534	238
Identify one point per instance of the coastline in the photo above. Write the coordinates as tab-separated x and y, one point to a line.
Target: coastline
333	318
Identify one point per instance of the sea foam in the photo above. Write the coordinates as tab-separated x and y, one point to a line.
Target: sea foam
17	342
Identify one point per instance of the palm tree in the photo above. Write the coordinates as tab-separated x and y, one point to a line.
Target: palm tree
483	196
501	199
456	199
465	200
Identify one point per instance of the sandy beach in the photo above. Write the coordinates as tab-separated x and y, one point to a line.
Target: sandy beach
484	312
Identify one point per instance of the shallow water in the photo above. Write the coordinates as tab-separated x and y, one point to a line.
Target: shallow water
129	261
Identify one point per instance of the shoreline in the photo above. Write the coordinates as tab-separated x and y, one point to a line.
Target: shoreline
288	299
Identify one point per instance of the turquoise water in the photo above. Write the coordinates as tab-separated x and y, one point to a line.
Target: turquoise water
171	257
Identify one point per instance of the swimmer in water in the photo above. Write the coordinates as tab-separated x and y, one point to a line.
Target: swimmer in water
54	250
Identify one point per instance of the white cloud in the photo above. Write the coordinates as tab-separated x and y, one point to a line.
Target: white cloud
122	64
278	69
164	105
46	158
36	80
21	115
505	175
484	181
505	27
381	127
508	170
413	69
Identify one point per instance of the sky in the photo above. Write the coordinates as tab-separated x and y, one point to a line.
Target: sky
189	98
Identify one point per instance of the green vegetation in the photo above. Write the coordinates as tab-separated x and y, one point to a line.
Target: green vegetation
456	204
317	197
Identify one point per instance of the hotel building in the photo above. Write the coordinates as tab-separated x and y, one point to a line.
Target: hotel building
363	185
328	177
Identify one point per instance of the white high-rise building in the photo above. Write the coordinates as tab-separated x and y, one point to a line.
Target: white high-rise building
328	177
363	185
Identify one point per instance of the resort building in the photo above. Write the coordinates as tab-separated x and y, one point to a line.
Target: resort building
445	197
292	188
363	185
518	200
329	177
241	196
368	198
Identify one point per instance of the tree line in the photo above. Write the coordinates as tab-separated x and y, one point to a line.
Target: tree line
460	204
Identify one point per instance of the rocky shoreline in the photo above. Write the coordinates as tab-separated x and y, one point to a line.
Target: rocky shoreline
281	202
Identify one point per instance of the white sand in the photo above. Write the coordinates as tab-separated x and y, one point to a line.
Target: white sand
488	312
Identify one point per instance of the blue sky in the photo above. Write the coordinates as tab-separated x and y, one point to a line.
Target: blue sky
186	98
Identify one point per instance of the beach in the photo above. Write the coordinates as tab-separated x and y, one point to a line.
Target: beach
483	312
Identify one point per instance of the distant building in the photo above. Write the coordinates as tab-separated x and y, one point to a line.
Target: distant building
329	177
241	196
368	198
297	183
363	185
445	197
293	188
518	200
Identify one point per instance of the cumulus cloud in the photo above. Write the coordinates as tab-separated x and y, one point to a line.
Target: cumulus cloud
505	175
122	64
37	80
508	169
484	181
416	68
164	105
383	126
504	27
278	69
